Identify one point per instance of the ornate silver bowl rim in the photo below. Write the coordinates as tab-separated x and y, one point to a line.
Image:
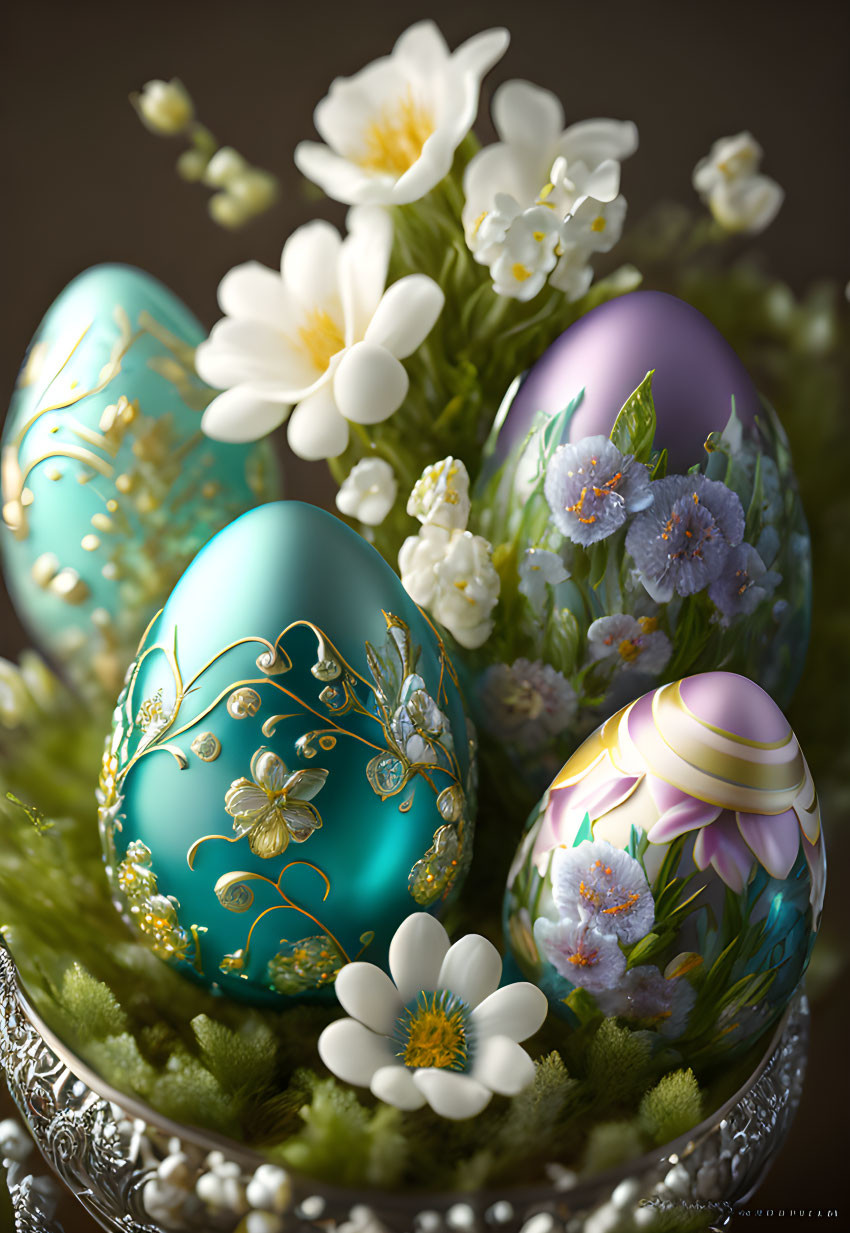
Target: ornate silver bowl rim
736	1141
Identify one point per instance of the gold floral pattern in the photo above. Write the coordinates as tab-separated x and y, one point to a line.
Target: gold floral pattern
274	806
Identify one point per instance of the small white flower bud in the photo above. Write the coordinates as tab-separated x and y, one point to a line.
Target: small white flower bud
165	107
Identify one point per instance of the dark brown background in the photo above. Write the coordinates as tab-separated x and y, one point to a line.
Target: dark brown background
82	182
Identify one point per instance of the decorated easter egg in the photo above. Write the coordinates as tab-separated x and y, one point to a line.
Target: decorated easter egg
605	355
289	772
668	540
673	873
109	487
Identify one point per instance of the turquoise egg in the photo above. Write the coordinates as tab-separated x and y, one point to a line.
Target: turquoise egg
290	767
109	486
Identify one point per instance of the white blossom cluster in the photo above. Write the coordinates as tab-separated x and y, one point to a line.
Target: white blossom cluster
729	182
445	568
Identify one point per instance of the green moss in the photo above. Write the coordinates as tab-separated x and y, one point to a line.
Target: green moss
672	1107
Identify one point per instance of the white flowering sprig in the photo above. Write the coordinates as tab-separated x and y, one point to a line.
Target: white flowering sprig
445	568
242	192
544	198
729	182
438	1030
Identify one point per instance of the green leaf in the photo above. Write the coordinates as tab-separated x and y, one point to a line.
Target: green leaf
598	562
585	831
658	467
642	949
561	641
634	427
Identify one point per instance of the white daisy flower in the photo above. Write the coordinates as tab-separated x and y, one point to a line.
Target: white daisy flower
451	573
325	336
728	181
368	492
440	496
520	190
392	129
440	1032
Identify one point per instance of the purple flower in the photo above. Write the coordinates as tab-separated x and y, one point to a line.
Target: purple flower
743	584
598	883
591	488
645	995
580	953
526	703
635	643
683	543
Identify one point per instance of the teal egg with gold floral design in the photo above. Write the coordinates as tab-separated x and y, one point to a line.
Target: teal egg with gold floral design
290	769
109	486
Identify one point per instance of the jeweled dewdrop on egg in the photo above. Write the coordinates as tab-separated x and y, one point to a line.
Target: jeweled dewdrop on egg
673	874
109	487
289	773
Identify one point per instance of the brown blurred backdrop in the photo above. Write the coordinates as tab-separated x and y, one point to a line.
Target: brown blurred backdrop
83	182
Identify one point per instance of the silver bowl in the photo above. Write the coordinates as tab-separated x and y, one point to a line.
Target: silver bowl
106	1148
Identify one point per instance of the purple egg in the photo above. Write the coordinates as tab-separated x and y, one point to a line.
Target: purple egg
609	352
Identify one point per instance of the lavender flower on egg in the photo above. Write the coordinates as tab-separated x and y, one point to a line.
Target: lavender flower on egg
591	489
635	642
683	543
526	703
744	583
605	886
646	995
580	953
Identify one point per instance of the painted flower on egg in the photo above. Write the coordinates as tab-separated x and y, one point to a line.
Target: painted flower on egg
274	806
674	870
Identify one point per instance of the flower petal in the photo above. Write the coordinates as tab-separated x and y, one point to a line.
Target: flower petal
502	1065
366	993
369	384
406	315
477	56
363	267
241	352
304	785
301	820
593	141
416	954
269	770
527	115
243	797
255	293
471	969
310	263
269	834
394	1086
339	178
352	1052
687	815
316	429
721	846
515	1011
240	415
774	839
452	1095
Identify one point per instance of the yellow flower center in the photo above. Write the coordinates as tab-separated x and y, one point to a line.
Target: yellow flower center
523	698
321	337
629	650
520	271
394	140
435	1031
598	223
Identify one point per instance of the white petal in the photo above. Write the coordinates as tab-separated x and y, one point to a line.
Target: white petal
452	1095
593	141
369	384
240	352
406	315
352	1052
256	293
432	166
416	954
366	993
310	261
316	428
340	179
516	1011
240	415
502	1065
525	114
471	969
364	262
422	48
478	55
394	1085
